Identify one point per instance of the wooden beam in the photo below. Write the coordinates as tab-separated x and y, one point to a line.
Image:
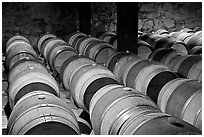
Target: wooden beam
127	26
84	9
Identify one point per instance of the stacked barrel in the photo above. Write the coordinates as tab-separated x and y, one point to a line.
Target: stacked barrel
91	47
181	51
185	40
113	108
111	92
153	79
187	66
34	94
143	48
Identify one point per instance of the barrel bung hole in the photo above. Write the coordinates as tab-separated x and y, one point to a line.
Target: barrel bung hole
175	122
41	97
127	89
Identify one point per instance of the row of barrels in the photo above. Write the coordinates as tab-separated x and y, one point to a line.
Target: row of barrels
55	52
173	95
84	78
96	51
104	44
143	48
34	95
90	46
187	66
79	69
184	40
116	109
148	42
190	68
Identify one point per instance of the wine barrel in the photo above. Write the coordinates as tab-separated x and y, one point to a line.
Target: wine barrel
150	38
165	42
176	61
191	67
41	113
170	56
87	81
83	120
83	47
160	54
17	43
198	33
183	35
174	34
99	52
197	50
85	123
180	46
181	98
114	58
159	124
24	65
71	66
58	55
113	41
32	78
111	102
187	30
143	49
106	35
43	39
125	67
149	77
49	44
18	57
198	122
84	126
186	40
83	42
162	32
19	52
122	64
190	117
72	37
15	39
194	41
120	125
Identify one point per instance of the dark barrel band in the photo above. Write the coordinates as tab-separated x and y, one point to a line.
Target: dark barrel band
34	87
51	128
115	58
95	86
66	63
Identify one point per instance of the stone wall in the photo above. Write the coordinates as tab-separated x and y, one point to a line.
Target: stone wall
170	16
104	16
34	19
